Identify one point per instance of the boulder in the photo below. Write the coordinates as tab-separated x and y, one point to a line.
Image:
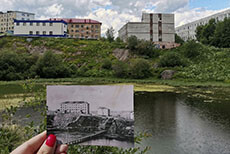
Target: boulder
167	74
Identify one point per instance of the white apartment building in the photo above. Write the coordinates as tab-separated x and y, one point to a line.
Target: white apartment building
103	111
155	27
7	19
188	31
40	28
75	107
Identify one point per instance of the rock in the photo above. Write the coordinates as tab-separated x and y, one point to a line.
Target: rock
167	74
121	54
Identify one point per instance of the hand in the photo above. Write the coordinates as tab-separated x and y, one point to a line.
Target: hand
40	145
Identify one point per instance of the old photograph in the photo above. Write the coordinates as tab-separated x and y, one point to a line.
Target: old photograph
91	115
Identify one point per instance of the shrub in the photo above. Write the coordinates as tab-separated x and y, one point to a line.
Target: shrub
14	66
147	48
139	69
132	42
106	64
172	59
51	66
191	49
120	69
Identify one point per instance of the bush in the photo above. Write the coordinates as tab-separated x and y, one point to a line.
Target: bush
140	69
172	59
120	69
51	66
106	64
147	48
132	42
14	66
191	49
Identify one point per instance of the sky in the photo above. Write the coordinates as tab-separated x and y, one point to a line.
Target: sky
116	98
115	13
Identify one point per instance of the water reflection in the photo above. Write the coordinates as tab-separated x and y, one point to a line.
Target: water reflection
177	126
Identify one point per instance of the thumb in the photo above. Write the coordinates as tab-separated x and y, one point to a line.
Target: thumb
48	147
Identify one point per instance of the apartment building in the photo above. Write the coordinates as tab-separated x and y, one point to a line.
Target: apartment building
75	107
188	31
82	28
7	19
40	28
155	27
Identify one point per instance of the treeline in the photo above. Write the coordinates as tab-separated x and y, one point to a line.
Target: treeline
215	33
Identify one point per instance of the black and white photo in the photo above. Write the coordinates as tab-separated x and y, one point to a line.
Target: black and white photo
91	115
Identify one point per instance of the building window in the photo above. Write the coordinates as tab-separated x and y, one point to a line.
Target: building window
44	24
17	23
77	31
72	30
31	24
87	27
24	24
97	26
96	31
44	32
51	24
92	26
77	26
96	36
31	32
37	33
82	26
87	32
51	33
92	31
82	30
38	24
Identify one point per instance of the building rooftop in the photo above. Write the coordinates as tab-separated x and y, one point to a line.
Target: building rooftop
75	102
75	20
40	21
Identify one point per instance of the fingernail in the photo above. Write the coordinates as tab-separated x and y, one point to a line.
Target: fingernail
50	141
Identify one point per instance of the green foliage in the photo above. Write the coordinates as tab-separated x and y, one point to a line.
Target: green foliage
14	66
110	34
222	34
172	59
216	34
178	39
120	69
3	42
142	47
51	66
191	49
140	69
132	42
106	64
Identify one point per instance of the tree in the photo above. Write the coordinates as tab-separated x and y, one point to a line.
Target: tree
51	66
132	42
178	39
110	34
222	34
140	69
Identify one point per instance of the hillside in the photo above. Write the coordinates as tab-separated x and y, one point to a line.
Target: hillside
22	58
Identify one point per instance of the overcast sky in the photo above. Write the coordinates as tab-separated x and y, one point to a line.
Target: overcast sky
116	98
116	12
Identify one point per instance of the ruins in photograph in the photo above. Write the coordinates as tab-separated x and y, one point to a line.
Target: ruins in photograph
91	115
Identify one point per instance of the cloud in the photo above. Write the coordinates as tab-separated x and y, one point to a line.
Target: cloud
111	18
110	12
54	10
185	15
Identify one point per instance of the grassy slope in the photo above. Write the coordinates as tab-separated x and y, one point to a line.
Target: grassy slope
212	68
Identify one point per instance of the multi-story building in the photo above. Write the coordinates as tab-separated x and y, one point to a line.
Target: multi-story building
75	107
82	28
7	19
155	27
40	28
188	31
103	111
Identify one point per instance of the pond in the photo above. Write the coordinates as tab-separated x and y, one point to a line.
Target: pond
179	124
